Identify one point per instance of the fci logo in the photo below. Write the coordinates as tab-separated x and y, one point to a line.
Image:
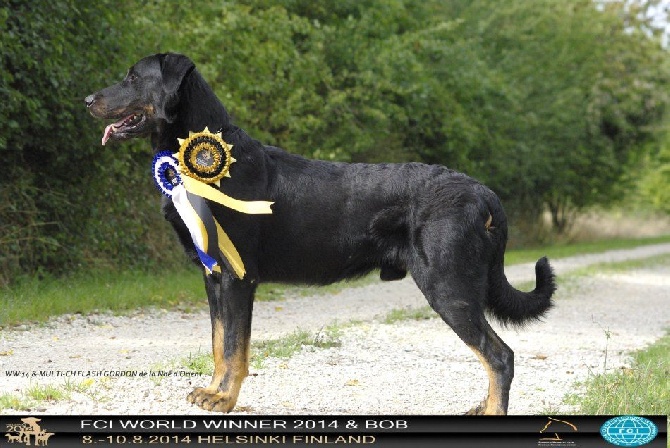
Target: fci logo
28	432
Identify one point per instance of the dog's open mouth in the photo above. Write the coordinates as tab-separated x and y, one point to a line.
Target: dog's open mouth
123	127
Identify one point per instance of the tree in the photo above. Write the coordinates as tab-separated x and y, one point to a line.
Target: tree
587	88
54	53
548	102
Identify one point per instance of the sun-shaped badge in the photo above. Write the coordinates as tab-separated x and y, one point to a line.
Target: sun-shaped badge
205	156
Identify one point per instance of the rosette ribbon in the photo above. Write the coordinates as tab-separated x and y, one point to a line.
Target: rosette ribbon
190	198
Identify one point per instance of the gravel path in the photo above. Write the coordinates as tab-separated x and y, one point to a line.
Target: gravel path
409	367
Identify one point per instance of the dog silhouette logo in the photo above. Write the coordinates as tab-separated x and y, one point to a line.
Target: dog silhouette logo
28	433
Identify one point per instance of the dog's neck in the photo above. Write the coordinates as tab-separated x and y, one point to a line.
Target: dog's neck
191	117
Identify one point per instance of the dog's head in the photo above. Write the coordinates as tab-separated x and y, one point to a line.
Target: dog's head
143	100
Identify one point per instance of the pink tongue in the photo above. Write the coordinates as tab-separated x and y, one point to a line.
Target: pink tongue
108	132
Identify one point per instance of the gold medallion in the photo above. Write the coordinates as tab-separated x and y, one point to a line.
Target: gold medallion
205	156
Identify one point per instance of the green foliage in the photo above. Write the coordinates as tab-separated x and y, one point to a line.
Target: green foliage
86	292
259	62
13	401
654	177
54	54
46	393
284	347
620	392
291	344
548	102
585	91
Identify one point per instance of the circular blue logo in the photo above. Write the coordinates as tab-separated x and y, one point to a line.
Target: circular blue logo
628	430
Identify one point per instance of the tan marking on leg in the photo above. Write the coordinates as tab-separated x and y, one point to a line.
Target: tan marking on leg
217	350
492	404
224	396
239	369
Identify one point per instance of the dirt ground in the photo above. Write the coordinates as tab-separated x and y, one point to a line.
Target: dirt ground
408	367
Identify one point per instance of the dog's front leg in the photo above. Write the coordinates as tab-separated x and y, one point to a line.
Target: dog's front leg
230	308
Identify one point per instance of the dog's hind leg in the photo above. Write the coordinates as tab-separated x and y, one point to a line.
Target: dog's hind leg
230	307
458	299
498	360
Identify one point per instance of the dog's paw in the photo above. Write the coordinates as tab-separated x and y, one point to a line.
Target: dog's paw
211	401
478	410
486	408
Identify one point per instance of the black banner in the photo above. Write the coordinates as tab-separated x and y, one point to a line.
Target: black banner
340	430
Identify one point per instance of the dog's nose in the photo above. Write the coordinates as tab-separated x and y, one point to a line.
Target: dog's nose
89	100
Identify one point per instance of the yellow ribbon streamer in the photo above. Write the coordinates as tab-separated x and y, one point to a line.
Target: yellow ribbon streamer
214	195
228	250
225	244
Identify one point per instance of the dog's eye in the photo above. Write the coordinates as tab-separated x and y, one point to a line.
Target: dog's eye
131	77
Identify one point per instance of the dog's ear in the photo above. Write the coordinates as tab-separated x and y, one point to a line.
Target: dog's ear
174	68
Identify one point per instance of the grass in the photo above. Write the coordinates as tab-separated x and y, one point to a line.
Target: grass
78	386
201	363
46	393
37	300
36	393
622	266
400	314
33	300
12	401
609	394
281	348
567	250
287	346
644	388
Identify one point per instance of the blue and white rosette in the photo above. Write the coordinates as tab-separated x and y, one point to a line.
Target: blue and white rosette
192	209
166	172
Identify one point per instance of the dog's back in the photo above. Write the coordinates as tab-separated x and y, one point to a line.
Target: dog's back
333	221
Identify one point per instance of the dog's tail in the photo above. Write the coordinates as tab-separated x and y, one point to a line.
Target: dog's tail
511	306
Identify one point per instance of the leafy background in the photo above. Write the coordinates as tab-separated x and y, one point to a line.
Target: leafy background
556	105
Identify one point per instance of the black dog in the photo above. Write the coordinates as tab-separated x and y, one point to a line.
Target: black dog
331	221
